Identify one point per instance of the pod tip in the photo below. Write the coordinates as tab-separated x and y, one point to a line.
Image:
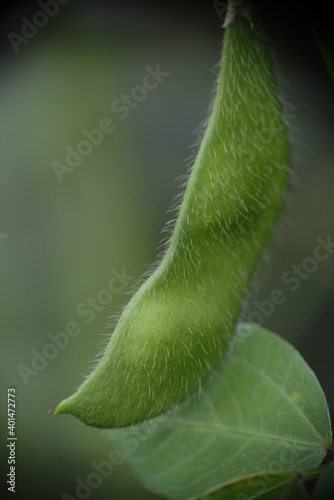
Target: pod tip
62	407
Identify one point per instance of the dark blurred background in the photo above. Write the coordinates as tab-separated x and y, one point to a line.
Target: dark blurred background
59	241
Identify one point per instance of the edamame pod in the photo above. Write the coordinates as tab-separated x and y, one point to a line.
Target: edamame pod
179	324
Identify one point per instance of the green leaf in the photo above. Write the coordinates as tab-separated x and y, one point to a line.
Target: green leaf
263	410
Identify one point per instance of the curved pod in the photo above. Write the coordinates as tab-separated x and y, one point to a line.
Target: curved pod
179	324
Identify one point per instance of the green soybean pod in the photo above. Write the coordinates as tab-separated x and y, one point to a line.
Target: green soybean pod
179	324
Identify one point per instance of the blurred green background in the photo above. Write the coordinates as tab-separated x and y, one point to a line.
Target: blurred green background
60	241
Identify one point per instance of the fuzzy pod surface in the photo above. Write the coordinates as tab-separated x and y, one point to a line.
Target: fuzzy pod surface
179	324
